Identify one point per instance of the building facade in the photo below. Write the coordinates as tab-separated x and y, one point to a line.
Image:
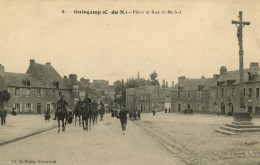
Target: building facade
147	98
191	94
36	90
224	93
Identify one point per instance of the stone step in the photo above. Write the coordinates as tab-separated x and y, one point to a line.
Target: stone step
242	126
239	130
224	132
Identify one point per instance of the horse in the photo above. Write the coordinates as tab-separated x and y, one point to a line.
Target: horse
77	113
85	116
61	114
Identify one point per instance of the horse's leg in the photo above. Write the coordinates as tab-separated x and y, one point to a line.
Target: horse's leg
75	120
79	120
87	123
63	126
83	124
58	125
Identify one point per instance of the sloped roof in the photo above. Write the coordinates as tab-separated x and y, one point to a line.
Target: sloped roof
17	79
191	84
234	75
48	75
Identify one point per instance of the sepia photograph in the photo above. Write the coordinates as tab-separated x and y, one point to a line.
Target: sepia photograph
112	82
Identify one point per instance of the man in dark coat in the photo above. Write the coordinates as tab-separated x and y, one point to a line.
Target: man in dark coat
123	119
87	100
139	114
3	114
101	110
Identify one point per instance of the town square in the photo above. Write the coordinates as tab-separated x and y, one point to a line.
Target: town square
140	83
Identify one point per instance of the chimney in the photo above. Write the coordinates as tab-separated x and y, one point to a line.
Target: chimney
65	76
172	84
73	77
223	70
2	68
32	61
181	78
215	76
48	63
254	65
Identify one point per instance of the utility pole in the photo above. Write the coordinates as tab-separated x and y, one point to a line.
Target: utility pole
240	24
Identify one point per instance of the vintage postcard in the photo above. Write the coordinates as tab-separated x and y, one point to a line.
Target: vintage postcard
129	82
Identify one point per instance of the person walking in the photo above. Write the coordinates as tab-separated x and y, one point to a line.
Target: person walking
123	119
101	110
3	114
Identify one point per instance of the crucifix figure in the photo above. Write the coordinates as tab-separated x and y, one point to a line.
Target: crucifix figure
240	24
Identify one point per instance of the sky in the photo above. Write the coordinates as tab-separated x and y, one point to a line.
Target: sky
194	43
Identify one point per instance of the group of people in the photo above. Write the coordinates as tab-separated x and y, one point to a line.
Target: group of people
135	115
62	104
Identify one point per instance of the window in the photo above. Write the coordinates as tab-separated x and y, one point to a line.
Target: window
60	93
53	93
250	92
222	92
28	107
179	107
17	92
57	84
228	92
199	108
28	83
199	94
179	95
188	95
233	92
38	92
257	92
17	107
28	92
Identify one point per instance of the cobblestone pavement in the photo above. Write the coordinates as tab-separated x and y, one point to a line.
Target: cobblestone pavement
192	138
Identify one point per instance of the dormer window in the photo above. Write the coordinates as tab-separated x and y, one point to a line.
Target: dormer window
57	85
27	82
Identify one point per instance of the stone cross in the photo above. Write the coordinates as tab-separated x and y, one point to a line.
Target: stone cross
240	24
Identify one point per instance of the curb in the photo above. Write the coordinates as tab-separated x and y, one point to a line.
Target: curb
25	136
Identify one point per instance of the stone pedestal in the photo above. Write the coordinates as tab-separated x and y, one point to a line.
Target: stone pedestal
242	123
242	118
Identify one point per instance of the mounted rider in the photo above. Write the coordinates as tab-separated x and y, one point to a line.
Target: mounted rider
87	100
61	104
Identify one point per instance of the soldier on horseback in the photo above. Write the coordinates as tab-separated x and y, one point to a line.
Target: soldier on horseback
61	104
61	112
86	112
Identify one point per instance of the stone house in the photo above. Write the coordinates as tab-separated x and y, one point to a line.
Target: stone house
147	98
224	93
191	94
36	90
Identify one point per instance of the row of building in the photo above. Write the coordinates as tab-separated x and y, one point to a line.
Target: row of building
41	86
218	95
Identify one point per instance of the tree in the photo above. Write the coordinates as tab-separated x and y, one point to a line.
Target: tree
120	93
153	77
167	84
4	96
